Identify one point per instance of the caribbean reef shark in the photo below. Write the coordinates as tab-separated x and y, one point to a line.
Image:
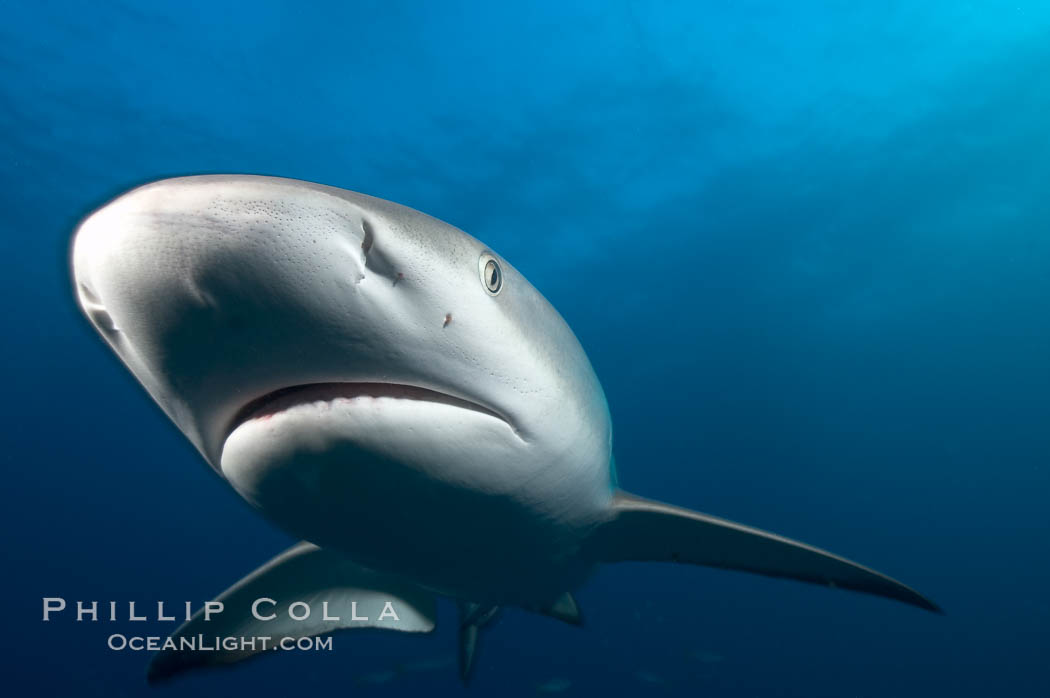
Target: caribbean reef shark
386	388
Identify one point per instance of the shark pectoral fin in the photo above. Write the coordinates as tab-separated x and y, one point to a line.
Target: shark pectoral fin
642	529
472	617
335	592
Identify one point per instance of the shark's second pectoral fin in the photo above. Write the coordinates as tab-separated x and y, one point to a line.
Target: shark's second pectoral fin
336	593
641	529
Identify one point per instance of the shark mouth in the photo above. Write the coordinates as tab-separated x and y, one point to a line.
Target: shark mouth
285	398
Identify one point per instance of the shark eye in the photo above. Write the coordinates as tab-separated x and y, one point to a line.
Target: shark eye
491	274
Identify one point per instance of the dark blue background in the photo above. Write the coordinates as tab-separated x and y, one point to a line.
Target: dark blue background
806	248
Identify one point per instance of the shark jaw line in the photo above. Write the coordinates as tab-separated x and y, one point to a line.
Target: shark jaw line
283	399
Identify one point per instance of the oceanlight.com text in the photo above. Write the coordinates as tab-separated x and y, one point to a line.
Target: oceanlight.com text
214	643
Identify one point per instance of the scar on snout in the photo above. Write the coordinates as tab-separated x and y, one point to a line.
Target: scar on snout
448	319
399	277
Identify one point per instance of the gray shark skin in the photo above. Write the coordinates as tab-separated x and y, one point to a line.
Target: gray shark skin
382	385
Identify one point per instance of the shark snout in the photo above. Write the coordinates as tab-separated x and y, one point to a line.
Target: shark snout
173	265
224	293
214	295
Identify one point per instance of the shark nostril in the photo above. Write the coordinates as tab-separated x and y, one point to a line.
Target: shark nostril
102	319
369	238
95	311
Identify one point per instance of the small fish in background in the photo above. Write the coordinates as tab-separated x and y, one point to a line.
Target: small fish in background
706	656
427	664
556	685
377	678
649	677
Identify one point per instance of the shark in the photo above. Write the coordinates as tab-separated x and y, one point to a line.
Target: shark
392	392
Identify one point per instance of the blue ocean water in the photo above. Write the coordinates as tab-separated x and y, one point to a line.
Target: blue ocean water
806	246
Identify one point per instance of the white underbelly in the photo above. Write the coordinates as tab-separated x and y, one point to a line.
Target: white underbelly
515	545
